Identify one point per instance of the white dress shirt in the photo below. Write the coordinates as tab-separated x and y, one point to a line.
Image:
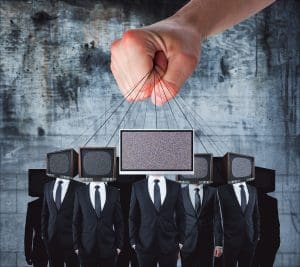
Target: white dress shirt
237	191
102	191
64	188
192	188
162	187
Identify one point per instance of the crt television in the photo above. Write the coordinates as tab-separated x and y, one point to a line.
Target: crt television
97	163
203	168
264	180
63	163
37	178
238	168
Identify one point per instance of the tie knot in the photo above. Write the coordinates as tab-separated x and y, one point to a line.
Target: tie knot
242	186
97	187
156	181
60	182
197	190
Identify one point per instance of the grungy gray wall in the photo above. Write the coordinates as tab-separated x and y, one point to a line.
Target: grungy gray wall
55	81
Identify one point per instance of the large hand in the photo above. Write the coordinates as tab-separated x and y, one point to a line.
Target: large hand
168	47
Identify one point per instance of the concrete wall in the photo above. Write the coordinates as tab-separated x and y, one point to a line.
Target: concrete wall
55	82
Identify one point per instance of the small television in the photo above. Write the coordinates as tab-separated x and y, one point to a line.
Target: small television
203	167
238	167
63	163
264	180
156	152
37	178
218	172
97	163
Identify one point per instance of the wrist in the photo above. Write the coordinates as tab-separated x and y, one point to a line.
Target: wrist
191	18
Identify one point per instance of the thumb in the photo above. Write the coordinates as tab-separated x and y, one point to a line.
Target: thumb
179	68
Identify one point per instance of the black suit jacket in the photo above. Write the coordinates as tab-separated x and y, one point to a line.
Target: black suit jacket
58	222
33	244
89	231
150	229
239	226
205	226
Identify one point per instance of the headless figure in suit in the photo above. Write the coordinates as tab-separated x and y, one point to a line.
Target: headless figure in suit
98	225
35	251
156	221
56	225
239	206
204	231
269	231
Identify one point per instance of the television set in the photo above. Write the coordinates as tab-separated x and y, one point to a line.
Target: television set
218	171
156	152
97	163
264	180
63	163
203	168
238	167
37	178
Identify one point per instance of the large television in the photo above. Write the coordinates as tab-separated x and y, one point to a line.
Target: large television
152	152
238	167
63	163
203	168
123	178
97	163
264	180
37	178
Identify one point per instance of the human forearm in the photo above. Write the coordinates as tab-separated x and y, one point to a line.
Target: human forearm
209	17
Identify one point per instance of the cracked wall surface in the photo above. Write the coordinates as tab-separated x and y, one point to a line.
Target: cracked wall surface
55	82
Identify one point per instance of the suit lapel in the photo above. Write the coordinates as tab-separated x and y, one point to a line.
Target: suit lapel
232	192
50	192
251	198
68	193
88	199
108	197
146	192
204	198
188	201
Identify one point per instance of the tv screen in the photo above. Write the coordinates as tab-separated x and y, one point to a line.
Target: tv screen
156	151
202	170
127	178
97	162
264	180
239	167
63	163
37	178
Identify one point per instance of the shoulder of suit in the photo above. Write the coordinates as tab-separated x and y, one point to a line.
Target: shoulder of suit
185	188
210	188
224	187
112	188
138	183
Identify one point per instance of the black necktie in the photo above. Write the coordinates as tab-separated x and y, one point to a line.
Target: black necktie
157	199
97	200
243	198
58	195
197	200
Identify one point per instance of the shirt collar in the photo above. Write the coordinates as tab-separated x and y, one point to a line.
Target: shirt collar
194	186
93	184
161	179
65	181
237	185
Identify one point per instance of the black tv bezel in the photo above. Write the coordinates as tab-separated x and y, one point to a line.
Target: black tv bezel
73	164
43	174
180	178
228	163
98	177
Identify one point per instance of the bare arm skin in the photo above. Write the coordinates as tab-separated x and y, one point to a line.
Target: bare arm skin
172	47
